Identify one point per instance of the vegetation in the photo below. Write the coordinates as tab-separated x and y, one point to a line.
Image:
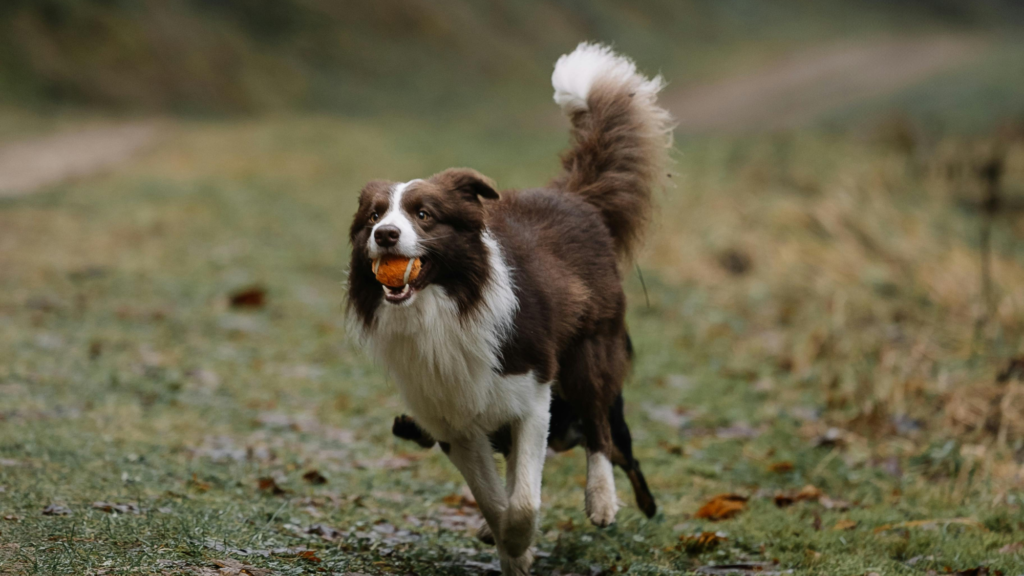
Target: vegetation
815	334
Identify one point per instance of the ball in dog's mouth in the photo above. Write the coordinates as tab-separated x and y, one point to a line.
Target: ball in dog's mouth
397	275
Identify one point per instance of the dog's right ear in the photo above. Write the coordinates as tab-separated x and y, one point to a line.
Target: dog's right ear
468	182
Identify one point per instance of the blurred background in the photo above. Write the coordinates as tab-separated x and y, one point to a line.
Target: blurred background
832	295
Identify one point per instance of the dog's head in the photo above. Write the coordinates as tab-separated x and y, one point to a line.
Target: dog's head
439	220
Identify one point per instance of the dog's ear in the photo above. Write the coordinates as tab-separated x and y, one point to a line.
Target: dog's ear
469	182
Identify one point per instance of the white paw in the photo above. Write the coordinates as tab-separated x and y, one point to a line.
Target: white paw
517	529
601	501
518	566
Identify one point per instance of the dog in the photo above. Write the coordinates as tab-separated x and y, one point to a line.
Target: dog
512	337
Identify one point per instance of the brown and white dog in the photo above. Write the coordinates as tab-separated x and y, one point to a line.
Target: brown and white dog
513	336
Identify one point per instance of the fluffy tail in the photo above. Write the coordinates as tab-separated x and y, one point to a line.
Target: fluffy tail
620	138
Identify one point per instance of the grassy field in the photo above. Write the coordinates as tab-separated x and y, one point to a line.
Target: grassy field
814	319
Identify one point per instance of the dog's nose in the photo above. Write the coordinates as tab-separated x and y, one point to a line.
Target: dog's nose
386	236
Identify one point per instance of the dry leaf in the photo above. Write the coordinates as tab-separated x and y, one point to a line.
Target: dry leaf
566	525
845	525
701	543
459	500
314	477
745	569
309	555
781	467
324	531
12	518
56	510
251	297
722	507
929	524
232	567
808	493
121	508
268	484
1012	548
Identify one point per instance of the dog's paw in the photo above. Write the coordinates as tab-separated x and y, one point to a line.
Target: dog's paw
601	501
601	511
407	429
485	535
517	566
518	525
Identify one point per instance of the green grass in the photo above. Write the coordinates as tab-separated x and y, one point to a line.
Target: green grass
126	378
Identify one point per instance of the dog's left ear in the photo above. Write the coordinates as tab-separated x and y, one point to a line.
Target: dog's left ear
468	181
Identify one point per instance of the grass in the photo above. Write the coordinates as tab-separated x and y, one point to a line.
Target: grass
831	354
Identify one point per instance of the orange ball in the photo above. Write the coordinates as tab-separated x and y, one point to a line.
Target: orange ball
396	271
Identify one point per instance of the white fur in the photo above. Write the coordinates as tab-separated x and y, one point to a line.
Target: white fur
576	74
601	502
408	241
446	365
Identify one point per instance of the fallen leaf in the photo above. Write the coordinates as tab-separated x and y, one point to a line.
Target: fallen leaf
314	477
1012	548
232	567
57	510
700	543
781	467
808	493
309	555
324	531
12	518
458	501
929	524
744	569
251	297
845	525
830	504
722	507
121	508
566	525
268	484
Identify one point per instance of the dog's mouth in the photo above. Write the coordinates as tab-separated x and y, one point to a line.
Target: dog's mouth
405	292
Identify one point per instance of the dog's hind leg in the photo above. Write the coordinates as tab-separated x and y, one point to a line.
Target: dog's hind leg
622	456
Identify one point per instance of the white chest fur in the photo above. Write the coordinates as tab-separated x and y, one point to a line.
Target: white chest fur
446	365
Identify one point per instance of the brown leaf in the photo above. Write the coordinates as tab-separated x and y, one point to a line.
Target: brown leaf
309	555
930	524
700	543
809	492
268	484
458	501
781	467
722	507
12	518
566	525
314	477
845	525
251	297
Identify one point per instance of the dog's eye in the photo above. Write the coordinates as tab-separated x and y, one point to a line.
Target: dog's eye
374	217
422	215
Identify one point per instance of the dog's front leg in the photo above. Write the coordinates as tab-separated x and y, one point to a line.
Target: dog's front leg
473	456
523	478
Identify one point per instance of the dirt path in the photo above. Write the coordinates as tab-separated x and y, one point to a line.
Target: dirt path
30	165
804	85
